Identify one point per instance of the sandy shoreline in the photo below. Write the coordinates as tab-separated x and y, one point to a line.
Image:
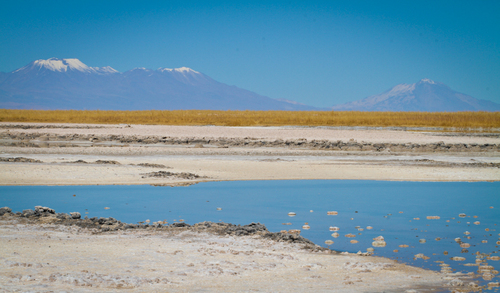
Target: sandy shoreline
44	252
238	153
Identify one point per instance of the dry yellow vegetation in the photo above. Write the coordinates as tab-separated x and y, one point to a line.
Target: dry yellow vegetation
457	120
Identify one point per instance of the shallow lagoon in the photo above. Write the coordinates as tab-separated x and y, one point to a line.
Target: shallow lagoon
391	208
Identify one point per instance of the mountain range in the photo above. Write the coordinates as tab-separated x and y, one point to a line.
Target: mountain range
70	84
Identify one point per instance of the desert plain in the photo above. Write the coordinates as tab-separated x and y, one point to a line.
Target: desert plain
44	255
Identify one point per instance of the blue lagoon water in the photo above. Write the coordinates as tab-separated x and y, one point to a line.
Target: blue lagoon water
396	210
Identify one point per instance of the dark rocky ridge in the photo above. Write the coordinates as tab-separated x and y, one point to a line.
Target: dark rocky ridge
77	140
108	225
20	160
172	175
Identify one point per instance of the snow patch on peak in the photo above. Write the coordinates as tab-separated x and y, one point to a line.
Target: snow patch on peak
63	65
106	69
75	64
53	64
185	69
180	70
426	80
401	88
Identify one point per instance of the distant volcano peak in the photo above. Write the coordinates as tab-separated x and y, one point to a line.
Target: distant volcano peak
426	95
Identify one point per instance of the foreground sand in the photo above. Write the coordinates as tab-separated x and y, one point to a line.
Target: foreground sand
39	256
67	153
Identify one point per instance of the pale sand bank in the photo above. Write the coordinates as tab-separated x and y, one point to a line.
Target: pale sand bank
47	257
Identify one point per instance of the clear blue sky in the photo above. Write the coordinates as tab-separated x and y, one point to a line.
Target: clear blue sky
319	53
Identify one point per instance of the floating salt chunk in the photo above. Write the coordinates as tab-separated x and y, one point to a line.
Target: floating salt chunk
491	207
379	243
422	256
395	251
370	249
332	213
286	224
474	217
292	214
403	245
354	241
334	228
335	235
487	277
219	209
181	220
416	219
147	221
422	240
433	217
400	212
464	245
498	242
328	242
485	268
369	227
487	229
477	223
462	215
494	284
445	252
458	240
106	208
467	233
458	258
306	226
484	241
379	238
350	235
357	227
361	229
311	211
438	239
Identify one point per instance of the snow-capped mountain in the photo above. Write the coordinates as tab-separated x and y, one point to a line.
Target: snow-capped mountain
63	65
70	84
425	95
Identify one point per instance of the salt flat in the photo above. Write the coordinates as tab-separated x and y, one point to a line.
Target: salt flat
239	153
45	256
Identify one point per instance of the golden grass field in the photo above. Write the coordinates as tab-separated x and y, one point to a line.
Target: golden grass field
448	120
